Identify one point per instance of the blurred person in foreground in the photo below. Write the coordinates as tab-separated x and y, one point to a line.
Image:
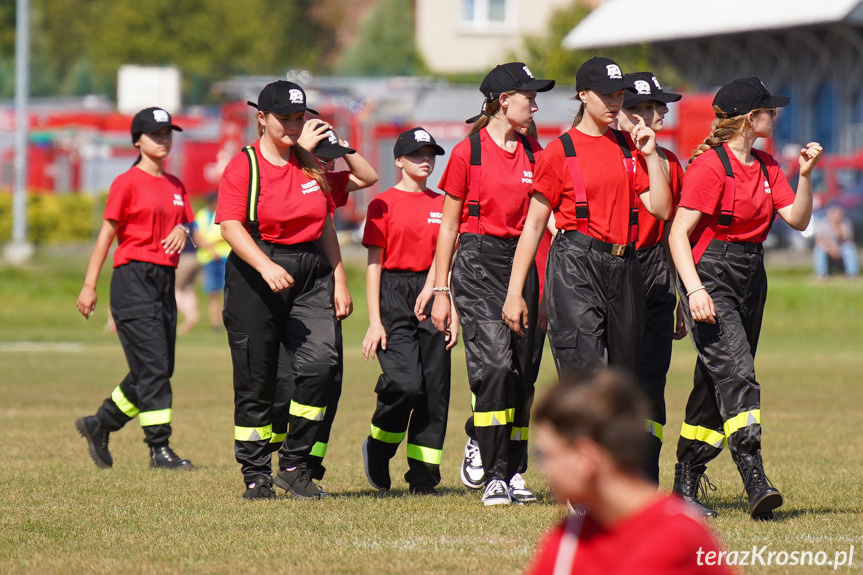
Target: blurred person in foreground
834	239
590	439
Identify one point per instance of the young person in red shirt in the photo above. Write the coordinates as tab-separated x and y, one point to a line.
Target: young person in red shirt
413	390
588	177
731	193
486	183
147	210
359	175
645	99
284	282
589	430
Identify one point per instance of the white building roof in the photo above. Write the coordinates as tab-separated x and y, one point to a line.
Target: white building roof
627	22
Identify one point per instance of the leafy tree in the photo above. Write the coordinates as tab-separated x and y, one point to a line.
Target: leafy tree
385	45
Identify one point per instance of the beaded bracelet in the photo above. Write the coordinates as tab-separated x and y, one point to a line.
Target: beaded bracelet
438	290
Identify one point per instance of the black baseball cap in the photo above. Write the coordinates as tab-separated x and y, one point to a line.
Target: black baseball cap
601	75
743	95
646	89
412	140
509	77
151	120
330	149
283	98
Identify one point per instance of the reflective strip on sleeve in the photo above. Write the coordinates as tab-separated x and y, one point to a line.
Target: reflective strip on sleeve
742	420
386	436
159	417
278	437
492	418
472	401
319	450
653	428
518	434
703	434
425	454
309	412
126	406
253	433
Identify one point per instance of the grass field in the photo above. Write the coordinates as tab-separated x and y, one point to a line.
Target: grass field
60	514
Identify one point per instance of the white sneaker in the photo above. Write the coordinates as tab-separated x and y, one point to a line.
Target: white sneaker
472	473
519	492
496	493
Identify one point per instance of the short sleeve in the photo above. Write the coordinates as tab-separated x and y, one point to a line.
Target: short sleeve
119	197
781	191
338	182
703	185
233	199
456	175
375	232
547	180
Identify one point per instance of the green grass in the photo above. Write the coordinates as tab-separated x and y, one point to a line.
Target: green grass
59	513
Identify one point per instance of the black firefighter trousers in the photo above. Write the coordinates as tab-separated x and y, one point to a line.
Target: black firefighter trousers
660	301
258	323
413	390
145	313
499	362
725	403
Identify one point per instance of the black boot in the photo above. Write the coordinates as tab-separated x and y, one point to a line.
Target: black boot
763	497
693	488
163	457
97	440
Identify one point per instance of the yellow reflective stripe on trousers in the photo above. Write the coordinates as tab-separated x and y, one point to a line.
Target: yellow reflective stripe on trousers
318	450
518	434
424	454
123	403
253	433
386	436
278	437
307	411
492	418
703	434
159	417
742	420
653	428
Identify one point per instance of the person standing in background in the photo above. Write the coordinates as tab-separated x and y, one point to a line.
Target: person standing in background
213	250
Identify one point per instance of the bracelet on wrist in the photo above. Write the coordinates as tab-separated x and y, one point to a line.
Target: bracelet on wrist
692	291
437	290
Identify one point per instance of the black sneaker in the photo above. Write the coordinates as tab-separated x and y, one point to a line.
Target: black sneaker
423	489
519	491
297	481
163	457
97	440
496	493
377	469
260	489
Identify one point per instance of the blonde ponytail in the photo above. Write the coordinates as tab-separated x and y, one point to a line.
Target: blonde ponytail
722	130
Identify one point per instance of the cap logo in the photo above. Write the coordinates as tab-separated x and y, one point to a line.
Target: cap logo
656	83
296	97
422	136
614	72
332	138
642	87
161	116
527	71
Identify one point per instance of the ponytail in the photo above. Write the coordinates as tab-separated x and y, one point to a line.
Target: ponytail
579	116
722	130
489	109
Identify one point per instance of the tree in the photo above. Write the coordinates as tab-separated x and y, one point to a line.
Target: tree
385	45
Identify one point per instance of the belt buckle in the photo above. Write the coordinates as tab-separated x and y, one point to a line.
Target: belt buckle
618	249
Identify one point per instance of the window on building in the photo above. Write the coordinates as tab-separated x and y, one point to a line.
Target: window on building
485	14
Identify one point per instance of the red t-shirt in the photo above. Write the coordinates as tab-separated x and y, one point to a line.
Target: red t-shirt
606	183
406	225
338	188
505	180
754	204
291	207
649	228
146	209
663	539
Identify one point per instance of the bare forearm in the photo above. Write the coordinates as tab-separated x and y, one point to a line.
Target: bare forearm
373	289
243	245
660	204
100	252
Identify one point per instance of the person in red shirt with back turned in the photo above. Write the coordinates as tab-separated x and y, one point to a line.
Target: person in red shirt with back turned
413	390
589	430
147	211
